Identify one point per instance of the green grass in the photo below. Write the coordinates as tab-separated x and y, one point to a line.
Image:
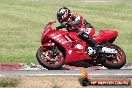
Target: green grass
22	21
9	82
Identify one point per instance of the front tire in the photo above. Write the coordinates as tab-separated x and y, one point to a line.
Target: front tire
48	62
109	63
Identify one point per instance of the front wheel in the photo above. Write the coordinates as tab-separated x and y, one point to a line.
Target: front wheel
115	62
49	61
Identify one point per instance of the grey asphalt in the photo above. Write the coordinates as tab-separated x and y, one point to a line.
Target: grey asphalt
92	73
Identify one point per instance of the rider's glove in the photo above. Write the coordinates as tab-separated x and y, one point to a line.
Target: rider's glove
63	25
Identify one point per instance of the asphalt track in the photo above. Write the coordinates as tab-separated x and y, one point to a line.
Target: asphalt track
93	73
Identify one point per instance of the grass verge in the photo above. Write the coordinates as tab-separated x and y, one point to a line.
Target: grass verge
22	21
9	82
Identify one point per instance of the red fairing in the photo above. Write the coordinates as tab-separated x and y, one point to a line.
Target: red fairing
105	35
48	44
74	47
67	40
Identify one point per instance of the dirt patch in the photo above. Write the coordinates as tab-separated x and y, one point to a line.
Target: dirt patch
55	82
50	82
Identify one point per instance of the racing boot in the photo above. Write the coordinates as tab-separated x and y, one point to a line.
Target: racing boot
98	48
89	40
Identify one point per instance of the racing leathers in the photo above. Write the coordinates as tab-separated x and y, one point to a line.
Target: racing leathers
86	30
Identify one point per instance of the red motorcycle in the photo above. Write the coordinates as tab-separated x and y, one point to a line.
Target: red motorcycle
61	47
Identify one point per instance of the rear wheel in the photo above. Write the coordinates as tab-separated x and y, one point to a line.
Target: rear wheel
46	58
115	62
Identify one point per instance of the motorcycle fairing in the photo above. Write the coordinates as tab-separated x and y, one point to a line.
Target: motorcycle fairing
70	47
51	44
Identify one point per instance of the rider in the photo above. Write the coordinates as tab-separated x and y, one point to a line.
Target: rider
77	22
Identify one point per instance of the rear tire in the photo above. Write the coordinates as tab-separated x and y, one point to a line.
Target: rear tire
118	65
46	65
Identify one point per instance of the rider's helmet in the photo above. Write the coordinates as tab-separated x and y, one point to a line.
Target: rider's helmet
63	14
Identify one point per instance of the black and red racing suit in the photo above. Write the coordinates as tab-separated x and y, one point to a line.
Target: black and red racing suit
86	30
